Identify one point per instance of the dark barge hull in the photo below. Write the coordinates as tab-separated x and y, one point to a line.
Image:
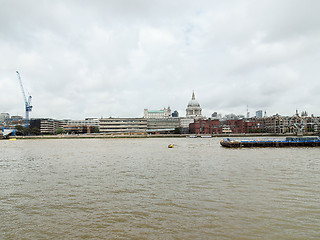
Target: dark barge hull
246	144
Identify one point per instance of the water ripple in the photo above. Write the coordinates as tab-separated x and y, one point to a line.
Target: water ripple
140	189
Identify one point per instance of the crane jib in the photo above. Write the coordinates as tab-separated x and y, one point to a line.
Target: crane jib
27	102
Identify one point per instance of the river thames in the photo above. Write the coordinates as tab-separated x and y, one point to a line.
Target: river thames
141	189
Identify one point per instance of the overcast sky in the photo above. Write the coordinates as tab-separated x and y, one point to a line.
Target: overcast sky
107	58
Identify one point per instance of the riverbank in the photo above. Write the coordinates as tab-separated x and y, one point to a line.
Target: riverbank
88	136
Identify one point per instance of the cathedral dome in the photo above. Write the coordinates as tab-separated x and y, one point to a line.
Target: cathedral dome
193	103
193	110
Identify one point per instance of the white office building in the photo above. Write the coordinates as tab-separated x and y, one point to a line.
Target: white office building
163	113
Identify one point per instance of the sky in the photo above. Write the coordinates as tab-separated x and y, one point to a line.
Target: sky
93	58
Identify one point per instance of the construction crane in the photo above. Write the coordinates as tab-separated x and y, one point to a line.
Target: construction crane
27	101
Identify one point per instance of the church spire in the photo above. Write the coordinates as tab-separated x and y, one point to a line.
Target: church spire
193	97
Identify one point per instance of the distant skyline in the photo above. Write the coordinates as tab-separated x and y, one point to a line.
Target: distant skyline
97	58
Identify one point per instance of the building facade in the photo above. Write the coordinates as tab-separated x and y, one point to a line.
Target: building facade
275	125
193	108
160	125
46	125
78	129
295	124
92	122
89	125
163	113
215	126
259	114
123	125
161	121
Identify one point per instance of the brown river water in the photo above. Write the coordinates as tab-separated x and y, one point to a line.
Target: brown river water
141	189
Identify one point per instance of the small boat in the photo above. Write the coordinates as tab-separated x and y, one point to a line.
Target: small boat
287	142
170	146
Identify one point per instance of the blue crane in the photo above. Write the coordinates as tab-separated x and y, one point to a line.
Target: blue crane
27	101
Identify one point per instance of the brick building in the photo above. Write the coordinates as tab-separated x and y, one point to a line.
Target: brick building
215	126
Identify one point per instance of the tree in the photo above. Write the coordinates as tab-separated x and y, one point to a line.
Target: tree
35	131
25	131
96	130
60	130
20	130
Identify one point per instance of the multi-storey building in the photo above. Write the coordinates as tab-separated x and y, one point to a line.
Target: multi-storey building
259	114
294	124
80	126
158	125
312	123
208	126
123	125
215	126
15	121
161	121
165	113
175	114
274	124
92	122
78	129
50	126
46	125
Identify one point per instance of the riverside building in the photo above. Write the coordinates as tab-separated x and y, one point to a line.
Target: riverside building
215	126
162	125
161	121
80	126
123	125
50	126
45	125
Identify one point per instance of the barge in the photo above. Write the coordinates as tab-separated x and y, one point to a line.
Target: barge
286	142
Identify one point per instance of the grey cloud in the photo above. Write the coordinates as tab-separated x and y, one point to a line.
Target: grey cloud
102	58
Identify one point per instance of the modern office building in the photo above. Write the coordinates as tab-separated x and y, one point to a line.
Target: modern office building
78	129
123	125
184	124
88	125
50	126
159	125
175	114
161	121
87	122
259	114
46	125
